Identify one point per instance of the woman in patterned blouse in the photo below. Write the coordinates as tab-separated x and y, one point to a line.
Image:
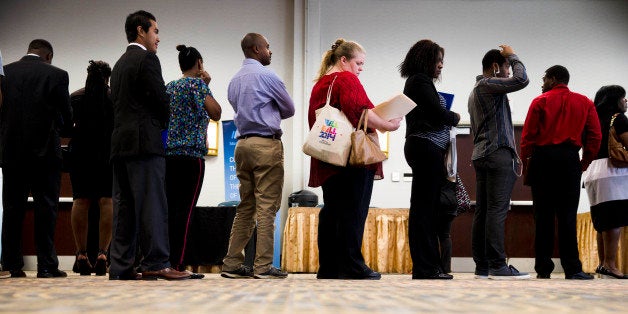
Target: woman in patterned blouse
191	106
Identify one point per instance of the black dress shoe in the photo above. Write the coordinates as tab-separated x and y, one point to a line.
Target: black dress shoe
326	276
368	275
438	276
55	273
194	275
131	276
543	276
18	273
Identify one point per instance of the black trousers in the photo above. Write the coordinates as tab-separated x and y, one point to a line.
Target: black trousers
184	179
495	178
140	213
427	162
347	196
42	178
555	174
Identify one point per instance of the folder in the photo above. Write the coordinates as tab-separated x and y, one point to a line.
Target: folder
395	107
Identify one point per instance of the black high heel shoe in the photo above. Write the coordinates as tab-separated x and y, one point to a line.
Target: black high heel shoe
83	265
100	268
608	273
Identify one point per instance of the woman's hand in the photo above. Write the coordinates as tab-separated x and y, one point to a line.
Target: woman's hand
377	122
205	77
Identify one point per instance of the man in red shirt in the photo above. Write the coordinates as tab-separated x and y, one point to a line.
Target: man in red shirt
559	123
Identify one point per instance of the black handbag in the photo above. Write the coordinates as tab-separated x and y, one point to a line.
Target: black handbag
448	200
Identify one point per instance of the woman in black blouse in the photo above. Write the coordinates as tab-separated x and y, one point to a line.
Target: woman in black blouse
427	140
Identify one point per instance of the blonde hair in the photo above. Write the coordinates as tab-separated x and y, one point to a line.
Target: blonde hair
339	49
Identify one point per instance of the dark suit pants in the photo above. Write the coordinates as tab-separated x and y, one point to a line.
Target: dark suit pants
555	194
42	178
428	172
140	213
347	196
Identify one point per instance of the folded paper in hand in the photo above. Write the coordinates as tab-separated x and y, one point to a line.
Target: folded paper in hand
396	107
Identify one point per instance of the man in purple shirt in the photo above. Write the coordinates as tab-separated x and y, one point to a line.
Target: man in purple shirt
260	101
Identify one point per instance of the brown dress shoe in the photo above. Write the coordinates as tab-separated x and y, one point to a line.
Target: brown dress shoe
166	273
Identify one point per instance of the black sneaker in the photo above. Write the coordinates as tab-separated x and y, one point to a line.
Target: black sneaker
579	276
507	273
240	273
272	273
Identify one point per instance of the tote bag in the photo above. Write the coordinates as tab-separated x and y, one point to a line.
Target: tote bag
329	140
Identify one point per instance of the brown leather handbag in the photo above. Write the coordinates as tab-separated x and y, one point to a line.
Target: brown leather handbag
617	153
365	146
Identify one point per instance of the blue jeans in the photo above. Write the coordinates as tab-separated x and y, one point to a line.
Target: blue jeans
495	178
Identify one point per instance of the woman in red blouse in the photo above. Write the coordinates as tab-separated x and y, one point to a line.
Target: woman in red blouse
346	190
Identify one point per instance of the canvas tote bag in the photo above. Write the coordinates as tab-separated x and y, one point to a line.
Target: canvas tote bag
329	140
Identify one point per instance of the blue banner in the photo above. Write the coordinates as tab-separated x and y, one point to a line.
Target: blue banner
232	184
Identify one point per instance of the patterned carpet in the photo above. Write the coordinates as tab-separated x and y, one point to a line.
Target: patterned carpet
302	293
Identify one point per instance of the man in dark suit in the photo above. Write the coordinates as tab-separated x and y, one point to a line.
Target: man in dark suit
140	105
36	108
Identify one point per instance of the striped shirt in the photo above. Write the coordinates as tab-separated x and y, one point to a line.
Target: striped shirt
491	119
439	137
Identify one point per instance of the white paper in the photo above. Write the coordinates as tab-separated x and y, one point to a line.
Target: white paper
396	107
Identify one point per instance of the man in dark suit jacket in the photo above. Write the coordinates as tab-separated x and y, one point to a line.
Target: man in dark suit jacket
140	105
36	108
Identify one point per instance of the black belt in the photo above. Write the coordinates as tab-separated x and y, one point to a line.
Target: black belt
274	137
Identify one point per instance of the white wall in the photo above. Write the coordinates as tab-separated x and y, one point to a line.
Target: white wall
588	37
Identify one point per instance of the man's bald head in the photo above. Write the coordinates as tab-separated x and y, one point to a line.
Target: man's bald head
255	46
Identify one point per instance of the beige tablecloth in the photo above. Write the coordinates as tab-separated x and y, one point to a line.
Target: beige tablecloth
385	244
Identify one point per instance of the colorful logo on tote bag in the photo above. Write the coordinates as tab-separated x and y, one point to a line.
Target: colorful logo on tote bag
328	131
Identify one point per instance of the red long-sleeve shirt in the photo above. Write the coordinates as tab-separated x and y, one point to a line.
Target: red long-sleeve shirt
561	116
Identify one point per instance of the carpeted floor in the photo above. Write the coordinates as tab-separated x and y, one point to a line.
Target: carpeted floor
302	293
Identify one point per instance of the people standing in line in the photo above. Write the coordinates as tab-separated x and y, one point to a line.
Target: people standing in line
36	109
192	104
90	169
427	140
495	159
558	124
260	101
140	108
607	184
346	190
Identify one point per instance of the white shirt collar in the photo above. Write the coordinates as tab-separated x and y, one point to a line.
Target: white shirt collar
34	55
139	45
